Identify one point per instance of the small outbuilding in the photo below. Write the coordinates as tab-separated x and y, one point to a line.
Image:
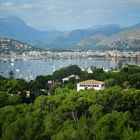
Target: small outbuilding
71	76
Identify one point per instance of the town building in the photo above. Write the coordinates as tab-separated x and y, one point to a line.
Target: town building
107	69
89	70
71	76
97	85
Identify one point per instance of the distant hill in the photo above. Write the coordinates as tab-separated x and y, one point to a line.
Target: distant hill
72	38
126	40
7	45
136	26
89	42
101	37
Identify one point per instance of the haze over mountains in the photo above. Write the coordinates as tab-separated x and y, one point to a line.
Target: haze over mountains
97	37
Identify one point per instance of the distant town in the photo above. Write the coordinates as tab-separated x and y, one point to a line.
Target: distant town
70	54
10	48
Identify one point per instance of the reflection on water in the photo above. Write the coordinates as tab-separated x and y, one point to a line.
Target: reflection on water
29	69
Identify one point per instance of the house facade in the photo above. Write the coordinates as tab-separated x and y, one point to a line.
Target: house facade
88	84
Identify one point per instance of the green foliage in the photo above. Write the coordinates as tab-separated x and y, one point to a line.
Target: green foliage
109	114
126	84
64	72
3	99
13	86
6	99
112	126
129	134
110	82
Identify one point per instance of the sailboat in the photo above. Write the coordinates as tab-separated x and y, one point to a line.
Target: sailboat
12	64
17	70
54	68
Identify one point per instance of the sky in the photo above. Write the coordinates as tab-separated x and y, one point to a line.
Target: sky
72	14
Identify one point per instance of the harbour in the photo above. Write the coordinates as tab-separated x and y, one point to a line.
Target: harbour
30	68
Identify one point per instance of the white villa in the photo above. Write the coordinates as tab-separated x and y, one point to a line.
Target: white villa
97	85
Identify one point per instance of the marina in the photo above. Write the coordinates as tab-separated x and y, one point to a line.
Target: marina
30	68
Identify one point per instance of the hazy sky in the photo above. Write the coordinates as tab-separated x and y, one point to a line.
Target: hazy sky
71	14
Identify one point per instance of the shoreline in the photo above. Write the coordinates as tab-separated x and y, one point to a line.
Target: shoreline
71	55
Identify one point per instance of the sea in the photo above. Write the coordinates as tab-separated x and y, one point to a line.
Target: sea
29	69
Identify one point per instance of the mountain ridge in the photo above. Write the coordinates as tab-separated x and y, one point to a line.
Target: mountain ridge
89	38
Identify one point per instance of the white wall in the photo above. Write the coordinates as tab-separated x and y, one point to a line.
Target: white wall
83	88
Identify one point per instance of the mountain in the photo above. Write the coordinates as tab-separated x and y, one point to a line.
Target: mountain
99	33
111	36
104	26
90	41
15	28
126	40
72	38
7	45
136	26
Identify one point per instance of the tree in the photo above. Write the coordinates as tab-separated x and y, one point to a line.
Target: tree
112	126
41	81
129	134
134	78
67	71
14	86
11	75
110	82
126	84
3	99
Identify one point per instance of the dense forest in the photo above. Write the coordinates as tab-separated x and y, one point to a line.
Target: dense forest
36	110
